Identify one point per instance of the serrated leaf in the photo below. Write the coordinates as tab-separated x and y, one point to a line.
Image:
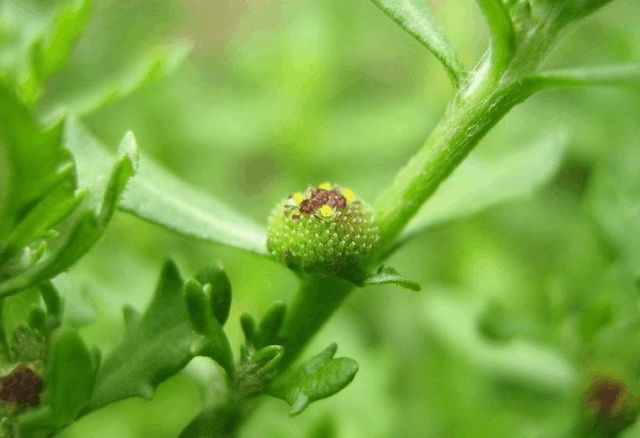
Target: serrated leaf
160	342
481	183
416	19
157	64
319	377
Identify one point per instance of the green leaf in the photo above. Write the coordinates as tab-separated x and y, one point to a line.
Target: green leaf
37	40
604	76
566	11
220	286
270	325
161	198
319	377
213	342
388	275
54	48
57	205
161	62
15	313
71	373
481	183
90	226
157	196
415	18
33	158
257	369
248	325
175	328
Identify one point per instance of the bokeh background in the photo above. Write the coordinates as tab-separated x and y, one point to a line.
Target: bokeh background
524	306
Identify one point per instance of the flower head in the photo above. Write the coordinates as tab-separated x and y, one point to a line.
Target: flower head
324	229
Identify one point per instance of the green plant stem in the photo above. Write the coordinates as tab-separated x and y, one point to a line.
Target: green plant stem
315	302
462	127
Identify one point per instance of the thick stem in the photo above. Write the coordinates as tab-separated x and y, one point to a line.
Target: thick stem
466	122
314	303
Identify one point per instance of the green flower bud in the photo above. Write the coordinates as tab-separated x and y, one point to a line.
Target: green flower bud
325	229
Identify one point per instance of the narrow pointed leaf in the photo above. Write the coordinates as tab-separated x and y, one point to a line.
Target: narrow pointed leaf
416	19
604	76
156	345
161	198
161	62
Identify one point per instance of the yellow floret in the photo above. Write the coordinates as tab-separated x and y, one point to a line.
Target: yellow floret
349	195
297	198
325	211
325	185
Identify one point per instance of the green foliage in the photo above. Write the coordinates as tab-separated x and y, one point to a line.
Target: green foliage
153	66
159	197
176	327
387	275
486	180
416	19
318	377
70	376
538	313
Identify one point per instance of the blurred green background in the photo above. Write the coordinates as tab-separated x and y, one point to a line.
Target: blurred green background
523	306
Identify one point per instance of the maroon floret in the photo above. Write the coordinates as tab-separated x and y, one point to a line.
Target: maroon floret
21	386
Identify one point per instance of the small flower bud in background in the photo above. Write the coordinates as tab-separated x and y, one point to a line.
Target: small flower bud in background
325	229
